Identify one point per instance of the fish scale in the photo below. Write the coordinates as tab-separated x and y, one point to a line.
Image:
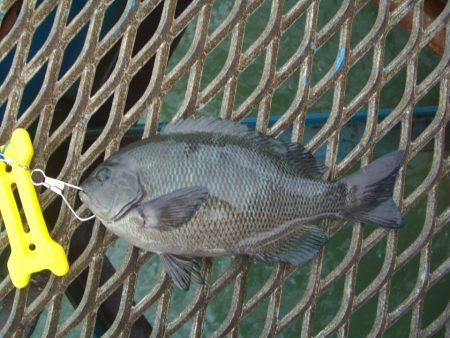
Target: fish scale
253	205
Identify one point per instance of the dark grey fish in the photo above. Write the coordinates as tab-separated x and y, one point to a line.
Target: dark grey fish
209	187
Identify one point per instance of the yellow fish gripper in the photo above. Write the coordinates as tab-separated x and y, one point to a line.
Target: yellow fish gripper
32	250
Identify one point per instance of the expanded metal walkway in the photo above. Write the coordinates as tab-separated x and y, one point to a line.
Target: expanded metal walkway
106	88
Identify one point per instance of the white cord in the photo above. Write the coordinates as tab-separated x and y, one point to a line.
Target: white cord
74	213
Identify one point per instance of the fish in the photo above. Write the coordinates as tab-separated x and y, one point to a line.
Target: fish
208	187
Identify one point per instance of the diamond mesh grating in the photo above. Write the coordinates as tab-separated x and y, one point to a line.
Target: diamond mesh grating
67	130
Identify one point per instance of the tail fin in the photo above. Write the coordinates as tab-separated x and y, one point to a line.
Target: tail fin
369	192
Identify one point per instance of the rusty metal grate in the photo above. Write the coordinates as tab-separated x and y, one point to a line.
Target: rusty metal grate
106	104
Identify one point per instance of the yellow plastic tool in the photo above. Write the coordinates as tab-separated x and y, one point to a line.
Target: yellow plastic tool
33	250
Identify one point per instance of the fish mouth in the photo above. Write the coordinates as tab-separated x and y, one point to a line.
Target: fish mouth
86	200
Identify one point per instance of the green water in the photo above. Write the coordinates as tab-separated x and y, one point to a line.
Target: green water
294	288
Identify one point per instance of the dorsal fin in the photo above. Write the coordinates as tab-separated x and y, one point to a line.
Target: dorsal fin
293	154
206	124
304	161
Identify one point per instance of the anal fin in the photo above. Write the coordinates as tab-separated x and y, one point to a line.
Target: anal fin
296	248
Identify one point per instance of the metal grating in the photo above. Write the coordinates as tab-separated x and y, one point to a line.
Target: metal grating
60	126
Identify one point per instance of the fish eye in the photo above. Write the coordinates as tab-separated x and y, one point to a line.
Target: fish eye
103	174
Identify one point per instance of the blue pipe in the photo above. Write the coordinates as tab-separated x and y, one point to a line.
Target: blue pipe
320	118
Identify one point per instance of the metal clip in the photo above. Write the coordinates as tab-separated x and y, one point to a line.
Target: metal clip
57	187
53	184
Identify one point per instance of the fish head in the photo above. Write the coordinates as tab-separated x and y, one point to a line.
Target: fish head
112	189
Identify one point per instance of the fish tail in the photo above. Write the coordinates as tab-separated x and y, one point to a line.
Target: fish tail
369	193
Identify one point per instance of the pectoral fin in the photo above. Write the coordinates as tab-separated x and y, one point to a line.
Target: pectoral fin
170	211
181	269
296	249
